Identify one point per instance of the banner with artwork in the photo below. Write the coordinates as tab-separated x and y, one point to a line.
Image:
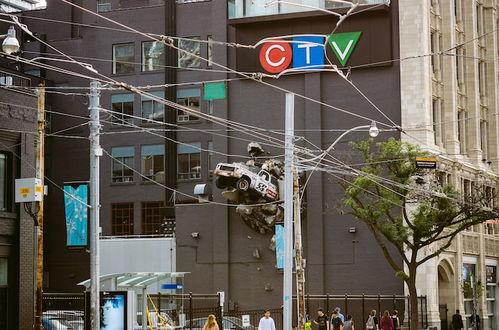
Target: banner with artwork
75	200
279	246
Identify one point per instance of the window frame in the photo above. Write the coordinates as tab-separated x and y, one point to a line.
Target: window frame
115	62
121	159
8	182
191	175
180	50
189	118
146	224
126	118
131	219
142	163
142	57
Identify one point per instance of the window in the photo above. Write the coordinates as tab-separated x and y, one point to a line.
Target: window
468	271
437	121
122	164
152	218
153	56
189	98
151	109
122	218
484	140
123	58
122	103
189	161
103	6
186	59
210	157
210	51
153	162
4	182
458	12
462	130
491	288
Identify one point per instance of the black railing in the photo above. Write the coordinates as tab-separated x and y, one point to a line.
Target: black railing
192	310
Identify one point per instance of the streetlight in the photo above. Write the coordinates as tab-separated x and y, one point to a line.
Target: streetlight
10	44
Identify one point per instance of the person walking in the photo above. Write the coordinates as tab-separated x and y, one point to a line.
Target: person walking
266	322
348	324
457	321
396	320
322	320
372	321
211	323
338	310
386	322
336	323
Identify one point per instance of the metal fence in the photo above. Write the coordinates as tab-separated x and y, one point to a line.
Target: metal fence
359	306
63	311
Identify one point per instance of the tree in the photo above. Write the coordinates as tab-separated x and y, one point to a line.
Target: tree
403	207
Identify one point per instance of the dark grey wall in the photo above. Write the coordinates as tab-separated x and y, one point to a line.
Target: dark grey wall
338	262
221	259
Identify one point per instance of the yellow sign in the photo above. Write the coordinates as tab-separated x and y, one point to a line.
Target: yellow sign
427	159
24	192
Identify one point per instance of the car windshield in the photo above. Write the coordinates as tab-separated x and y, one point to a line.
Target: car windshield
61	324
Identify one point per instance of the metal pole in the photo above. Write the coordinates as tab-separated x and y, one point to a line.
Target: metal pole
144	308
95	153
288	214
300	267
40	160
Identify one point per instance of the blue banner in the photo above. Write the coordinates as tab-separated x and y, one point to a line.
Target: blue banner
279	246
76	215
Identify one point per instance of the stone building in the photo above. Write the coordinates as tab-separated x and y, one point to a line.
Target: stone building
449	99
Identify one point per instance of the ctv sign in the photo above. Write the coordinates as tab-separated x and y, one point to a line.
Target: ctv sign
306	52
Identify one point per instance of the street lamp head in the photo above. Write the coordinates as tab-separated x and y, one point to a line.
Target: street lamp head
10	44
373	130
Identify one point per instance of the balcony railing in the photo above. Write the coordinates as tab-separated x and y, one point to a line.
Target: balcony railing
252	8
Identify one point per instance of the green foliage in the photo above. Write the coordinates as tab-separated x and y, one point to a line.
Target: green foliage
467	289
410	213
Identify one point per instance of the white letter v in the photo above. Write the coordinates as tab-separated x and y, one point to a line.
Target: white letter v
342	54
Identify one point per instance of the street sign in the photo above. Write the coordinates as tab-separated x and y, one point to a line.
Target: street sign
246	320
426	162
172	286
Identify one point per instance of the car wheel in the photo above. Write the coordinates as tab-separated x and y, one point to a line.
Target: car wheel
221	182
243	184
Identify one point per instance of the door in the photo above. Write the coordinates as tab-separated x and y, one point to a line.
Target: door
443	317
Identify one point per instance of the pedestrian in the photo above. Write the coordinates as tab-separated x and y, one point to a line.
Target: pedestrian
348	324
386	322
211	323
372	321
266	322
338	310
336	323
322	320
457	321
396	320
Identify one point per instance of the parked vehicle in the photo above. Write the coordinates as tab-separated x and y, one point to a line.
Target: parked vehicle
245	178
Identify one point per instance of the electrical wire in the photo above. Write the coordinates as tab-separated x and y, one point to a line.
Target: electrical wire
180	192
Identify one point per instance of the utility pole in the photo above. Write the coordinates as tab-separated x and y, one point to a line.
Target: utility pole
40	174
300	265
95	153
288	212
